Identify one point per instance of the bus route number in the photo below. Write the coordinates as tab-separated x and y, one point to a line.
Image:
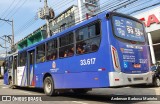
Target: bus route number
90	61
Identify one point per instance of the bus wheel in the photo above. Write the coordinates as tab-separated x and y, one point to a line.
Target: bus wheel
156	82
49	86
81	91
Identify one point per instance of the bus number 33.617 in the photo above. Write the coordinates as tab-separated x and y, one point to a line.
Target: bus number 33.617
90	61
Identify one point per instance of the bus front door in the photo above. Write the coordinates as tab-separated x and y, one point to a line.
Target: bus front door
15	62
31	65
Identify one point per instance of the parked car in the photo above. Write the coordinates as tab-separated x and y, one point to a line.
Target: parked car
156	74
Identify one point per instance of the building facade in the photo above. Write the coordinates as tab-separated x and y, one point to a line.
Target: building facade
151	19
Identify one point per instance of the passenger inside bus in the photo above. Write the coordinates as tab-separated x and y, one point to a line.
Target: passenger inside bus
71	52
80	49
86	47
65	54
94	47
41	58
53	57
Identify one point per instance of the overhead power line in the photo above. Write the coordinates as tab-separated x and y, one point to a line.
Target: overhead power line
32	20
7	8
28	24
18	8
145	7
104	6
15	6
14	10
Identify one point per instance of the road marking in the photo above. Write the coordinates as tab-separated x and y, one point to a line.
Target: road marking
79	102
4	87
25	92
127	87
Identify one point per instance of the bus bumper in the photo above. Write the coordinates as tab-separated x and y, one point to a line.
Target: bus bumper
122	79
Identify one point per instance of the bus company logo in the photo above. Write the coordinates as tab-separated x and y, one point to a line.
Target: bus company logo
53	64
54	69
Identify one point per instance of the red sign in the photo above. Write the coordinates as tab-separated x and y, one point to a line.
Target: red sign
152	19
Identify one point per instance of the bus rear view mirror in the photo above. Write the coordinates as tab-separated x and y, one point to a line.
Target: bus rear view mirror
107	15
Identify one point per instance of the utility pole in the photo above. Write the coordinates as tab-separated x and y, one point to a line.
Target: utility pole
12	35
5	46
12	40
47	14
6	39
80	10
46	9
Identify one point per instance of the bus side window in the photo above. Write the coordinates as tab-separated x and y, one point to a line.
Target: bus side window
15	62
40	54
22	58
91	43
95	42
82	34
52	50
5	66
66	46
10	62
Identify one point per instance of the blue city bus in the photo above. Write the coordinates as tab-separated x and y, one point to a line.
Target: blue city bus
107	50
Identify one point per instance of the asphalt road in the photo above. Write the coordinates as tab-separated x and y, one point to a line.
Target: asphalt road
96	96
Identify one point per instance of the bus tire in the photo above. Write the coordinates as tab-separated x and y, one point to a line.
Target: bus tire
81	91
49	86
156	82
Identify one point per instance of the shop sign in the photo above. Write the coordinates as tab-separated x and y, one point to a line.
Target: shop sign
151	19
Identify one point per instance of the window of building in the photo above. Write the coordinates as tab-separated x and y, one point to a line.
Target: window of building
52	49
88	38
66	45
40	53
22	59
63	27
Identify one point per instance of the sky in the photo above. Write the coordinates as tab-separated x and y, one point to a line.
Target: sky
24	14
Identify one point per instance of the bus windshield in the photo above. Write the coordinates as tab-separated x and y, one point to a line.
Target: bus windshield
128	29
